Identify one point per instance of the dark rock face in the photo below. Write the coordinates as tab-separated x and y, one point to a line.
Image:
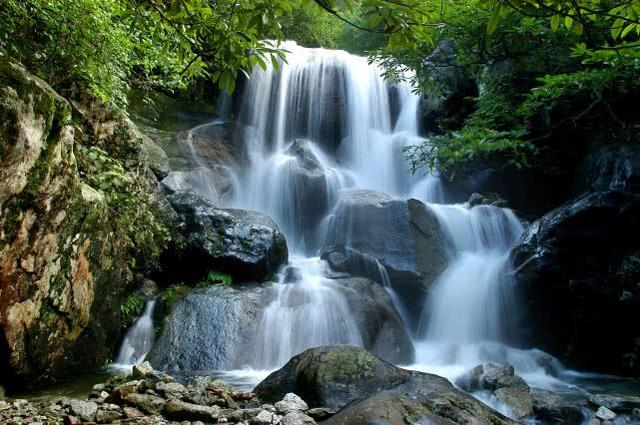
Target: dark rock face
338	376
383	331
614	167
246	244
577	270
210	329
403	236
550	407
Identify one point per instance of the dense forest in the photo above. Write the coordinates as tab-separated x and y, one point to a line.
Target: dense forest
226	188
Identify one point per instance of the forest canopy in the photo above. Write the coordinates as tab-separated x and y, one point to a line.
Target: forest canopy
528	73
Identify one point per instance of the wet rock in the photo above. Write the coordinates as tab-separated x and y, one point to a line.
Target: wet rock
619	403
611	168
403	236
182	411
246	244
382	330
291	402
550	407
417	403
209	329
121	391
605	414
142	370
338	376
501	380
576	270
84	410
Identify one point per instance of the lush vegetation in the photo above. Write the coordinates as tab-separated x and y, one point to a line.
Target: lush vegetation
530	74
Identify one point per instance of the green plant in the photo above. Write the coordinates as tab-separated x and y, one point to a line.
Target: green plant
175	291
217	277
131	308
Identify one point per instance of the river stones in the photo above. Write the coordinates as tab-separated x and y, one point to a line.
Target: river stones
246	244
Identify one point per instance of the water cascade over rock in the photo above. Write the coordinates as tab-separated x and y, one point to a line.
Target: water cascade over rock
376	258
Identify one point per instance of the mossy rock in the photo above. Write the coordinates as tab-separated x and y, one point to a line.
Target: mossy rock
335	376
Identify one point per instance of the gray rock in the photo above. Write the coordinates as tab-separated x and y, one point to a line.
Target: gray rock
177	410
605	414
550	407
107	416
171	389
404	236
382	330
321	413
141	370
148	403
210	329
619	403
263	418
296	417
155	157
246	244
84	410
291	402
501	380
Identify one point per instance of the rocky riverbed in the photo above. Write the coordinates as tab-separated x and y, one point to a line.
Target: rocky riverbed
333	385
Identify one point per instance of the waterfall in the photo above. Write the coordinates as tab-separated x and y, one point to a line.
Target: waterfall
326	121
139	338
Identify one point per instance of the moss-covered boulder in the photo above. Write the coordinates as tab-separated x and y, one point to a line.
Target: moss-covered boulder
63	256
370	390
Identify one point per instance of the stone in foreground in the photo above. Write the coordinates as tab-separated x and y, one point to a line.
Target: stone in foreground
339	376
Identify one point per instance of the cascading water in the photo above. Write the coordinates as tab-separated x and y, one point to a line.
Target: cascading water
139	339
353	138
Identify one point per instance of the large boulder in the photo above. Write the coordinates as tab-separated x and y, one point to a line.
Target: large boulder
58	251
245	244
577	270
403	236
209	329
372	389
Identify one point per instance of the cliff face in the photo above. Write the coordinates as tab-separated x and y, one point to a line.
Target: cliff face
63	259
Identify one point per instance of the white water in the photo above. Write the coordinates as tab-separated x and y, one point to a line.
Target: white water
138	340
342	106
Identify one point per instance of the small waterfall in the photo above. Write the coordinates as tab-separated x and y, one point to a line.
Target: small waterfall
139	338
308	311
